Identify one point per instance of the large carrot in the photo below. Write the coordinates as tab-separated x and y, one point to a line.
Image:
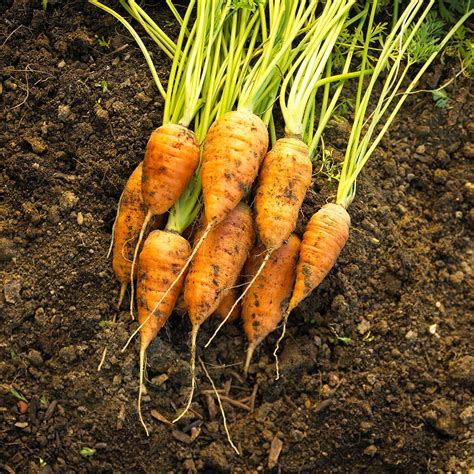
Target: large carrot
265	304
161	259
228	299
213	270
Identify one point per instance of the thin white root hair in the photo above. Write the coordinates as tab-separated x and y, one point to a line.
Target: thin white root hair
135	254
140	388
241	297
221	407
193	372
277	347
102	360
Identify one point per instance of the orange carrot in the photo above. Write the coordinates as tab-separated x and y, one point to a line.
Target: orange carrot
130	216
325	236
214	269
265	304
233	150
283	181
171	157
162	257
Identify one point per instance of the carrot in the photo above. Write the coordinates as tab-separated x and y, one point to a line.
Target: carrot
265	304
171	157
161	259
325	236
130	216
283	182
214	269
233	150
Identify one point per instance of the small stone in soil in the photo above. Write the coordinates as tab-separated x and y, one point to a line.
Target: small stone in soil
11	291
67	201
35	358
461	370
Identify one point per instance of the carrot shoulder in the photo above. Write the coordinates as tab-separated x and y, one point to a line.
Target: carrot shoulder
325	236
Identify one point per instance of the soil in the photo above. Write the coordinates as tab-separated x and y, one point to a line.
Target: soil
377	373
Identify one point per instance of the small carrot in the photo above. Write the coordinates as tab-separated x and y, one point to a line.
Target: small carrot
171	157
265	304
214	269
325	236
163	255
130	217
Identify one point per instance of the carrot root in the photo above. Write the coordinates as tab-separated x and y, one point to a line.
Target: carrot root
193	372
148	216
248	358
140	388
123	289
277	347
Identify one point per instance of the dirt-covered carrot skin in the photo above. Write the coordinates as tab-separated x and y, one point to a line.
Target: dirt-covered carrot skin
283	181
233	150
266	301
171	157
162	257
130	217
228	299
218	263
325	236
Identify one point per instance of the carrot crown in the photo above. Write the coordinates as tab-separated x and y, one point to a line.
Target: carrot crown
396	57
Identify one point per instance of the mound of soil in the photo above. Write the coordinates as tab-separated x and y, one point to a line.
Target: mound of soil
377	374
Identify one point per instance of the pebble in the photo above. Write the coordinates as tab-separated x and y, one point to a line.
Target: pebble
101	114
37	145
21	424
80	218
461	370
7	249
363	326
53	215
440	176
67	201
65	113
35	357
11	291
68	354
411	335
61	64
457	278
370	450
466	415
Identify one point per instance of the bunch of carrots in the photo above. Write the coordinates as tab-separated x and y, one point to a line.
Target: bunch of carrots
217	149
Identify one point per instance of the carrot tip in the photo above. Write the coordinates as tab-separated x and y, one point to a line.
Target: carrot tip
249	355
123	289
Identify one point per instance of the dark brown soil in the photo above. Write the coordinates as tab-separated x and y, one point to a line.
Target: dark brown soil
396	397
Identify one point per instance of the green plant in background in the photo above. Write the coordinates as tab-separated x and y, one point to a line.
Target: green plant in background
18	395
103	42
440	98
87	452
44	4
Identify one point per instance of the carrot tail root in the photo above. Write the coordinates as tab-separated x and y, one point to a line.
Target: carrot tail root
277	347
123	289
193	373
140	389
248	358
